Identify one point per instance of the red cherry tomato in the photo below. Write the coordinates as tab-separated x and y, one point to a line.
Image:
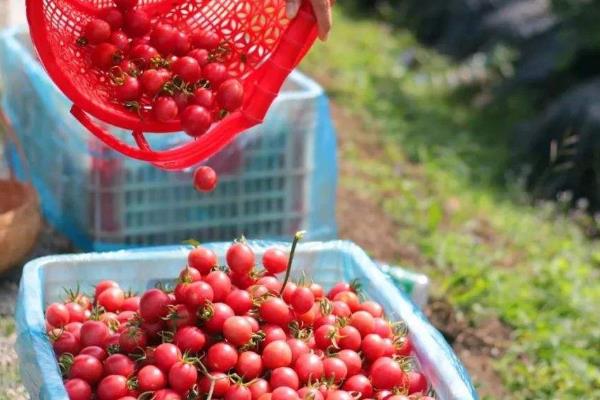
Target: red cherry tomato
230	95
136	23
202	259
78	389
105	55
275	260
196	120
240	258
57	314
97	31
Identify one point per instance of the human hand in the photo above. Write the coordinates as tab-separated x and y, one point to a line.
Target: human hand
322	9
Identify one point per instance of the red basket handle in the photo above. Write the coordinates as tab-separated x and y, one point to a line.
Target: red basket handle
265	85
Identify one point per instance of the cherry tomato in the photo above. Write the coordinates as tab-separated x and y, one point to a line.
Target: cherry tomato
153	80
202	259
112	387
132	339
113	16
230	95
387	374
303	300
131	304
182	376
136	23
66	342
359	383
275	311
190	339
310	393
87	368
196	120
373	346
197	294
249	365
349	338
324	336
284	376
309	367
240	301
259	387
237	330
143	54
166	394
94	333
382	328
97	31
165	355
105	55
284	393
372	308
95	351
221	357
201	55
238	392
275	260
78	389
119	364
416	382
57	314
164	38
215	73
112	298
187	68
277	354
363	321
220	283
334	369
203	97
151	378
220	312
240	258
205	39
154	305
182	44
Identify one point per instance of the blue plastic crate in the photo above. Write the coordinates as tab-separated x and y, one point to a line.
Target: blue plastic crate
274	179
43	281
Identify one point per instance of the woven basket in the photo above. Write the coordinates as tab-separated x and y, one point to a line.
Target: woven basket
20	222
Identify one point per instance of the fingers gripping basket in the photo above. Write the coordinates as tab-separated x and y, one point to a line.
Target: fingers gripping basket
262	48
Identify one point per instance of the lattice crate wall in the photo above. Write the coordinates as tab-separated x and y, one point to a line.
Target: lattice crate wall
263	188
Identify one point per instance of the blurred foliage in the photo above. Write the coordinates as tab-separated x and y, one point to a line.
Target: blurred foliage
555	53
583	17
440	174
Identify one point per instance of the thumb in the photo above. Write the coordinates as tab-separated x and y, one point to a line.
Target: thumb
291	8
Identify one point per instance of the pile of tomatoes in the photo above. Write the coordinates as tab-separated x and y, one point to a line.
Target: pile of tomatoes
159	71
233	332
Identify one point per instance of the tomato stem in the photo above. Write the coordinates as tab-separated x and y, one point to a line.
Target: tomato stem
297	237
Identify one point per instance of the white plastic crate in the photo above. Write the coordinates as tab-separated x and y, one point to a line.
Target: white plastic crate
44	279
274	179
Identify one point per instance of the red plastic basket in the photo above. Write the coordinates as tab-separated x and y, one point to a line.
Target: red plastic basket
265	47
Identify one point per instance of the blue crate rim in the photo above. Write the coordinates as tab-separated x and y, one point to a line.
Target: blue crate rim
450	367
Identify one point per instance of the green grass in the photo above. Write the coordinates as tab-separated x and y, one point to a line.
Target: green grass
550	291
